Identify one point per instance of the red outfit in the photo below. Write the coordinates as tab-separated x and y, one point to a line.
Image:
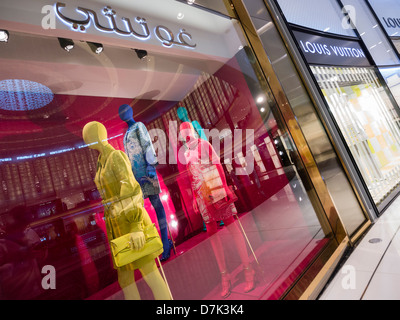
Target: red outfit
208	181
209	185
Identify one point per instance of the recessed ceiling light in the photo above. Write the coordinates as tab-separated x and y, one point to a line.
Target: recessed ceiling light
260	99
96	47
141	53
23	95
4	35
66	44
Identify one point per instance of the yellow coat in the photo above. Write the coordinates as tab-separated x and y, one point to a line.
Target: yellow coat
122	196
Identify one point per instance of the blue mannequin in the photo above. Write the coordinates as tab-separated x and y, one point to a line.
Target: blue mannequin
139	148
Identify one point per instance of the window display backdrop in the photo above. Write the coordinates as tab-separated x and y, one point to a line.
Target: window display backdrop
51	207
357	101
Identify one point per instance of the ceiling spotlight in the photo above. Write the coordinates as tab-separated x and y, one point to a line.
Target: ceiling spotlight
4	35
260	99
96	47
66	44
141	53
190	1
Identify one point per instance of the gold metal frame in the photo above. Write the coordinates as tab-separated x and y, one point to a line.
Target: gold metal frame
320	279
310	283
322	195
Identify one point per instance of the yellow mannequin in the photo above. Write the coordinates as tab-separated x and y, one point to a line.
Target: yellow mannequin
119	188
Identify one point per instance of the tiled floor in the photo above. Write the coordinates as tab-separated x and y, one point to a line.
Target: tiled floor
372	271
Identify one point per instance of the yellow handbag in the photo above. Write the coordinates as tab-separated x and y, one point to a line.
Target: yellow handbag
123	254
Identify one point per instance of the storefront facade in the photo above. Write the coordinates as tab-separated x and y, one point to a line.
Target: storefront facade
348	65
129	93
386	15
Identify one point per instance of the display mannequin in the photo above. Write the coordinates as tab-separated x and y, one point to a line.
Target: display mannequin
139	148
118	187
209	186
183	116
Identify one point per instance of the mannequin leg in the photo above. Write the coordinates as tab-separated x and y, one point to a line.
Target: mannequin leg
153	278
216	244
240	243
126	279
218	249
162	222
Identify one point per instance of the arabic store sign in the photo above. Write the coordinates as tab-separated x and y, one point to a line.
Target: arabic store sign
109	22
329	51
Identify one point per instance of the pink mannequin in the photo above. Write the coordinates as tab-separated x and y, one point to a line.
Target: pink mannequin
207	175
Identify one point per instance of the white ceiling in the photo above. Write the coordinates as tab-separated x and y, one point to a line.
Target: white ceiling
213	34
117	72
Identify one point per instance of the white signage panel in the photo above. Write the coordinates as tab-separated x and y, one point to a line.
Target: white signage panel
151	23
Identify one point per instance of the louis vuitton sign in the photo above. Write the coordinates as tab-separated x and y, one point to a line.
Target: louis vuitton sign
323	50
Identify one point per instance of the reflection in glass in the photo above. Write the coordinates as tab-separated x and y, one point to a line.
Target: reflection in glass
392	78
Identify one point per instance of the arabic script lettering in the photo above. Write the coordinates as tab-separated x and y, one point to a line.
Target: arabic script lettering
137	28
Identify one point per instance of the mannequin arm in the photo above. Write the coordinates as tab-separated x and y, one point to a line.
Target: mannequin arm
195	206
200	130
130	195
147	146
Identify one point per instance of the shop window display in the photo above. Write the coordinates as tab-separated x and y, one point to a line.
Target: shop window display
211	152
368	121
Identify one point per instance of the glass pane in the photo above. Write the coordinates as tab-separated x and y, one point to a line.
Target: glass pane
368	122
332	21
392	77
388	13
325	156
95	148
372	34
396	43
218	6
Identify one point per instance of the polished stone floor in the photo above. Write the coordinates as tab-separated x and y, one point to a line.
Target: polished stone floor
372	270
